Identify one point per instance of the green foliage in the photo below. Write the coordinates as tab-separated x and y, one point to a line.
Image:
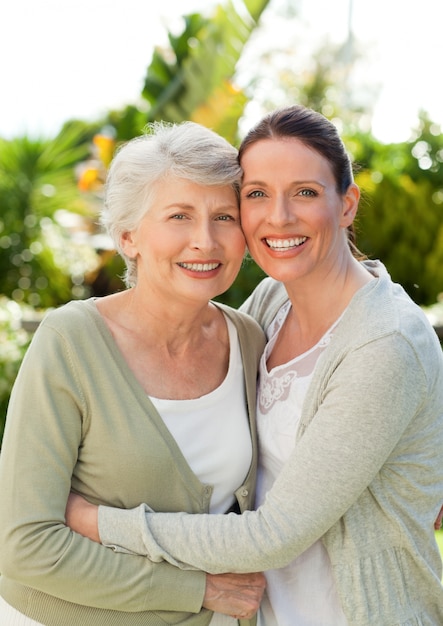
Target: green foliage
37	180
195	72
14	341
401	215
205	55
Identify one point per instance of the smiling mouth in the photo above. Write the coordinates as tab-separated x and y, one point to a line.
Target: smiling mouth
200	267
285	244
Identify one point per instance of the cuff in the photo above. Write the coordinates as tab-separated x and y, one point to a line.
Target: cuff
120	529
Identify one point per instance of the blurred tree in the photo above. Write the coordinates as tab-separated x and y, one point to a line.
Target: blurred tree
38	185
14	340
192	78
401	215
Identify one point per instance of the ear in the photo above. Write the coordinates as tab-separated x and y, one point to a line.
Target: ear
350	205
128	244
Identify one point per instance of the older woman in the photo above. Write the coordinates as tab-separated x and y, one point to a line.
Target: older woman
143	395
350	410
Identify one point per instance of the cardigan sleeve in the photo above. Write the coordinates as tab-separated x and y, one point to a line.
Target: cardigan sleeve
372	397
46	420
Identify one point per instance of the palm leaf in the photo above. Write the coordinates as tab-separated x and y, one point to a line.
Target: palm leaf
197	71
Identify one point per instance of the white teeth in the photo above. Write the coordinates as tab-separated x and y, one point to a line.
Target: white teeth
200	267
285	244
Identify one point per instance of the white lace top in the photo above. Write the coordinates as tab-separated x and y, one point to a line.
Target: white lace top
303	592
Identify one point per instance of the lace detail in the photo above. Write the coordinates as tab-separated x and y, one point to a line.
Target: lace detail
275	386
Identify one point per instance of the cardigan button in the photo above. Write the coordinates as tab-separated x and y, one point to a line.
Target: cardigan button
244	492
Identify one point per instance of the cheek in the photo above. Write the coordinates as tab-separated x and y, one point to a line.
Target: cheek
247	223
249	229
237	244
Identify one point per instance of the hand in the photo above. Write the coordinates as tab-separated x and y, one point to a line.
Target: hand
438	521
237	595
82	517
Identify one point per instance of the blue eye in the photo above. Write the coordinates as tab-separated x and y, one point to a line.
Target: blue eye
255	194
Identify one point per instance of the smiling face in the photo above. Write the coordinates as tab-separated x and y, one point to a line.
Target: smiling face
189	244
293	218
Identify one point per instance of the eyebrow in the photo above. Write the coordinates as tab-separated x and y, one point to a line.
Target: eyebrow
192	207
261	183
178	205
252	182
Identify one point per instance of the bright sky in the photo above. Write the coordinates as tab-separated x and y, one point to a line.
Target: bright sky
61	59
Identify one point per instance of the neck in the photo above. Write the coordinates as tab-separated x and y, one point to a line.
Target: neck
318	302
174	324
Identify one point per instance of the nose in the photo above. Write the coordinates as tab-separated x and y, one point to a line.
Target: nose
203	236
279	212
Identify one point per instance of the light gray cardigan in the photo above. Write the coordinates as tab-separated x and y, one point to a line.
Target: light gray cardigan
366	474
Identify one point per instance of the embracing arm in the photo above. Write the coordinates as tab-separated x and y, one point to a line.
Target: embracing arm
359	422
233	594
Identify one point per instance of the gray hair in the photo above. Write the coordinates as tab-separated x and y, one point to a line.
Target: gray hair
187	150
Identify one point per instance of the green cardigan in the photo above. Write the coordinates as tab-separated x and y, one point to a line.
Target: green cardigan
79	419
366	474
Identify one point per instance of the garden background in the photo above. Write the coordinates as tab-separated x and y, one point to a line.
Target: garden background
51	249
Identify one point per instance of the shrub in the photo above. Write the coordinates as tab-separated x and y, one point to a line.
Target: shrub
14	340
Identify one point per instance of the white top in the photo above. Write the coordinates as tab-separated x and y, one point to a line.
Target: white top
303	592
213	435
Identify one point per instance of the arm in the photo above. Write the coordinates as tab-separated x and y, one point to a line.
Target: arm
340	453
46	427
238	595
